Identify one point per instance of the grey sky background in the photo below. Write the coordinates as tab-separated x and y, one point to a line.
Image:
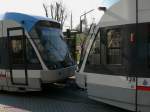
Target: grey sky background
77	7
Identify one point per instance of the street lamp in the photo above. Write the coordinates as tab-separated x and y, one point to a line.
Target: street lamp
99	8
81	20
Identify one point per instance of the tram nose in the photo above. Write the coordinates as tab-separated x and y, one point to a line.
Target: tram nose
51	76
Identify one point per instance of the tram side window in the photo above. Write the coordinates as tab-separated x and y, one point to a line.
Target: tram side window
2	51
94	55
113	46
38	43
17	50
148	45
31	55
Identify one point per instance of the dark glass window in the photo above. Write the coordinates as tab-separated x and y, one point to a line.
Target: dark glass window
3	52
31	55
17	50
105	51
113	46
51	46
148	45
94	55
106	48
22	53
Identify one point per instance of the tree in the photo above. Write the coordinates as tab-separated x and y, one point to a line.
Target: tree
56	11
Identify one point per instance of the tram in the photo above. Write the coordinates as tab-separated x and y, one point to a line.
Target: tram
116	65
32	52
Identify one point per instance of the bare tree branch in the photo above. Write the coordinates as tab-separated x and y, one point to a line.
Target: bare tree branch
57	12
45	9
52	11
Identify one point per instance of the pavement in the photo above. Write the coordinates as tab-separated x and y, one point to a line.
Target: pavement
55	98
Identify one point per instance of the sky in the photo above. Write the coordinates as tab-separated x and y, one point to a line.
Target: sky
35	7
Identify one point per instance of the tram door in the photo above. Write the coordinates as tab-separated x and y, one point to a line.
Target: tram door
17	56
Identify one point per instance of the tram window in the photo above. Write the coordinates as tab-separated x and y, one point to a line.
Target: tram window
17	46
38	43
17	50
23	53
31	55
2	51
94	55
113	47
148	45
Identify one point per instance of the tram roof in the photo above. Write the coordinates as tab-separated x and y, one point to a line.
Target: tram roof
124	12
27	21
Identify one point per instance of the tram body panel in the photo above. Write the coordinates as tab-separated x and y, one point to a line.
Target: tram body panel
23	67
10	24
112	90
126	13
34	83
109	80
118	91
56	75
81	79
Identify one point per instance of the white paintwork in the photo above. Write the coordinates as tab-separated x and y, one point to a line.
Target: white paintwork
34	83
124	12
121	13
108	80
81	79
117	91
18	73
107	88
55	75
35	77
9	24
31	73
34	73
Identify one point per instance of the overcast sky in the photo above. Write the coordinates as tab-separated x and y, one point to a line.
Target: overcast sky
77	7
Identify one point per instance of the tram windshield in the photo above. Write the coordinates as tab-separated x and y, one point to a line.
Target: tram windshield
51	44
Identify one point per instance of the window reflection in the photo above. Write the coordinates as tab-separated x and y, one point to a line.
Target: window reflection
113	45
17	50
94	56
16	46
51	46
31	55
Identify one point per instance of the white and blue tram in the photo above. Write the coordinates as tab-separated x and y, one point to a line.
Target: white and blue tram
32	52
116	66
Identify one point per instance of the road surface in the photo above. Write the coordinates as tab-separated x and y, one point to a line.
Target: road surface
53	99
